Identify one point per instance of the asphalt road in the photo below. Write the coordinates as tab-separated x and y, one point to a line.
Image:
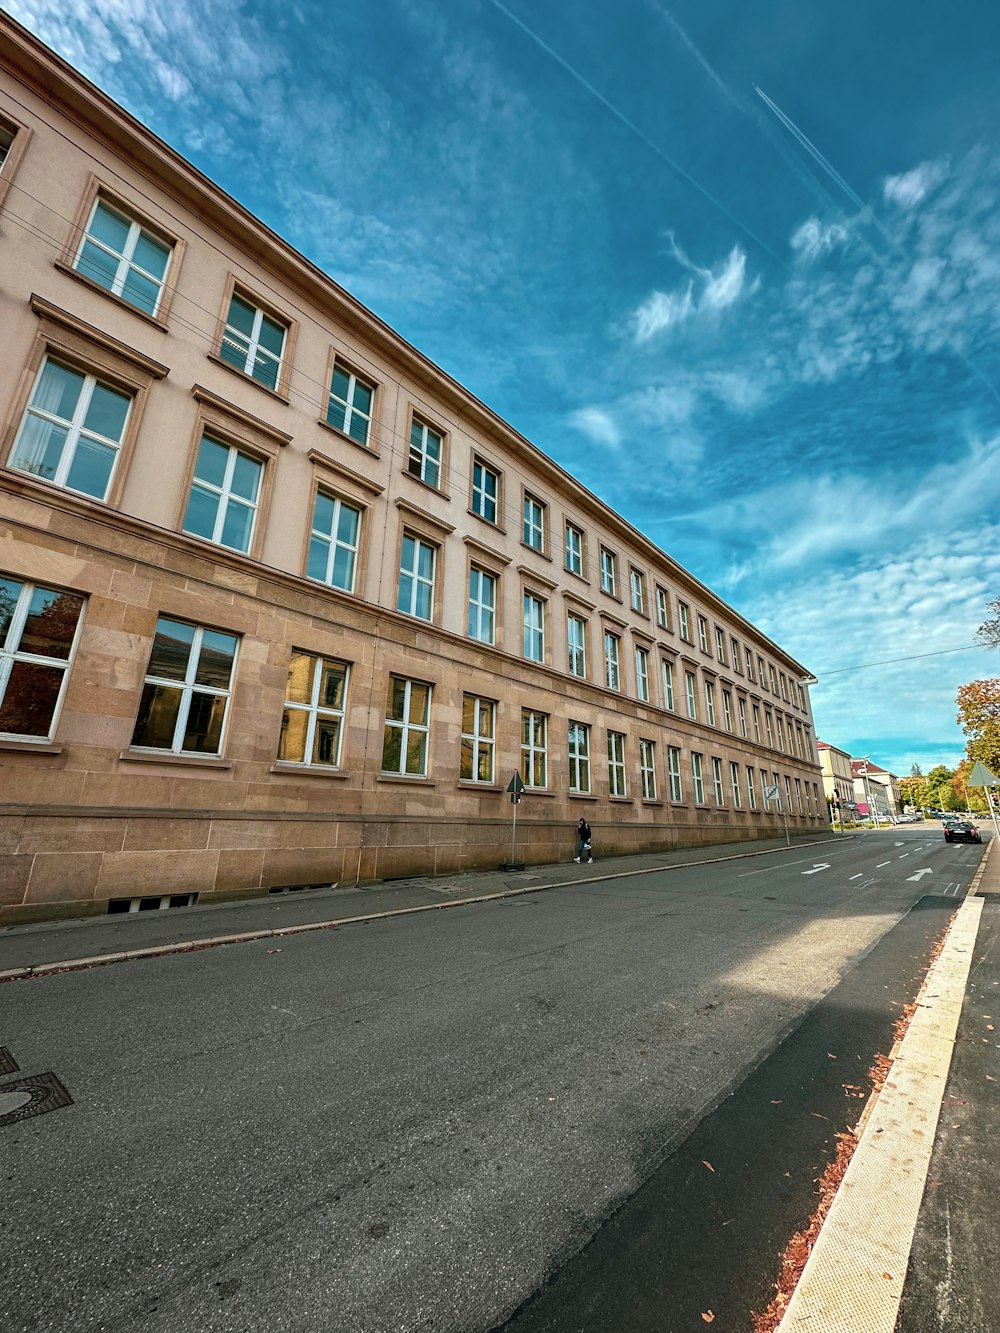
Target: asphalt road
412	1124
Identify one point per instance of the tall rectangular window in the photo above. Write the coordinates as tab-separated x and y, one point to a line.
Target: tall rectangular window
482	605
407	724
788	795
534	748
798	795
784	686
756	723
662	615
534	628
6	142
703	634
749	657
478	734
222	504
674	772
485	491
717	784
737	659
727	709
609	572
612	669
741	706
533	523
333	542
751	789
781	732
642	675
684	621
668	683
720	646
123	257
647	769
761	672
579	757
349	405
710	702
574	549
312	724
637	585
253	342
185	697
616	764
38	633
769	725
691	694
72	430
734	778
576	640
697	779
424	460
416	578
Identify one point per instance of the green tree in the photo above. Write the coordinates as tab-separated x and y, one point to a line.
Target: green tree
941	795
989	630
972	798
916	771
914	791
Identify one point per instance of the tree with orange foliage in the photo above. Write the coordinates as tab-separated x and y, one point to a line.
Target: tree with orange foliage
979	717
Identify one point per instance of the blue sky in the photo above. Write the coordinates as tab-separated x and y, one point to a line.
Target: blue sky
785	370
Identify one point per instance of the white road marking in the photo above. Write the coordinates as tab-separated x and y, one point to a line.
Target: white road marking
858	876
903	857
919	875
899	844
823	865
881	864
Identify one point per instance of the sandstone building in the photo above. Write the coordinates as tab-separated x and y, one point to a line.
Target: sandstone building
280	602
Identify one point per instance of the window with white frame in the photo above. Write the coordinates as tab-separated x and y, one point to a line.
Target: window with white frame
225	489
788	795
798	796
478	736
485	491
769	726
576	643
482	605
698	779
727	709
616	764
773	678
534	628
674	772
737	660
710	702
751	789
756	723
720	646
425	456
579	757
407	723
123	257
718	788
749	658
253	342
784	686
612	668
734	779
703	634
642	675
574	549
684	621
774	781
312	725
7	135
417	563
39	628
662	611
637	585
667	670
741	708
72	430
802	740
691	694
647	769
349	406
333	542
534	748
609	572
533	523
186	693
761	672
781	732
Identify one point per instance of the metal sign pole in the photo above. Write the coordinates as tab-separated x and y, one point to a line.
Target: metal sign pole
513	828
993	813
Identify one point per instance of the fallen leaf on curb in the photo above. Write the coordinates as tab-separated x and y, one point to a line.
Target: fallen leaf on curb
776	1103
887	1276
831	1055
991	1078
710	1167
826	1117
708	1316
271	951
989	1027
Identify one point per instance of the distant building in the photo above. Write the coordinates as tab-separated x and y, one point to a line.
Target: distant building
837	777
283	603
880	783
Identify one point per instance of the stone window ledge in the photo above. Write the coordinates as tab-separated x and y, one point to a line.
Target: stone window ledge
180	760
308	771
30	747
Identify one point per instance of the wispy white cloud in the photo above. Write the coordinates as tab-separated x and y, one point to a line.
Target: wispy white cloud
912	187
598	424
708	290
663	310
814	239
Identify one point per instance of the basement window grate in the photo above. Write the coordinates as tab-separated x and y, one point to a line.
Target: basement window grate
151	903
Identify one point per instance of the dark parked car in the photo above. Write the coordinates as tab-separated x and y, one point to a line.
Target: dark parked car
960	830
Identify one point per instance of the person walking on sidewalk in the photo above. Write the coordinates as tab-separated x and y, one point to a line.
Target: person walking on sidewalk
583	843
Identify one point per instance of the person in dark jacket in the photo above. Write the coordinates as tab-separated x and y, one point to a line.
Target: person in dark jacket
583	843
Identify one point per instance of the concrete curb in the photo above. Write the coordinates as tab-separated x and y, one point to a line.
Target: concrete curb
855	1274
249	936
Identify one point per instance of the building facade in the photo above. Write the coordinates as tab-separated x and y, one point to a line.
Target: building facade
876	790
282	603
838	779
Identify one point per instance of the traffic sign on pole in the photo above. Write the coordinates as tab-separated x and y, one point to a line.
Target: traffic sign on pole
516	788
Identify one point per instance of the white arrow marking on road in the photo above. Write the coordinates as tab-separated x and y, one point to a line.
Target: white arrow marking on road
823	865
898	844
920	874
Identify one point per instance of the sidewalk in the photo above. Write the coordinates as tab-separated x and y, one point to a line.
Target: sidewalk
52	946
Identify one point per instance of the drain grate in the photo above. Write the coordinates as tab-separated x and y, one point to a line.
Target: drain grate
47	1094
